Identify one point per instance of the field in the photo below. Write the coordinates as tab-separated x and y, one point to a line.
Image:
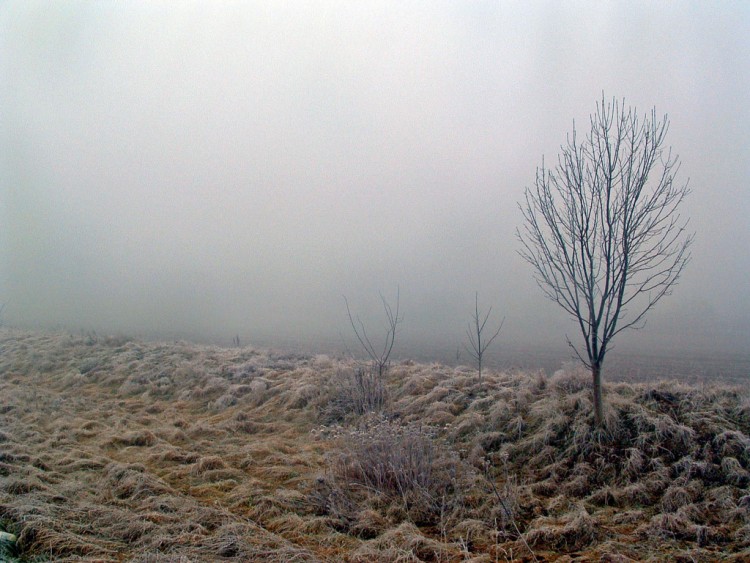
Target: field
114	449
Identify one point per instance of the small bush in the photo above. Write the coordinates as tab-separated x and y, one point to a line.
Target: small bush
402	465
390	458
354	392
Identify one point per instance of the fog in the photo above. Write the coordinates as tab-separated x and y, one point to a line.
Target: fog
213	169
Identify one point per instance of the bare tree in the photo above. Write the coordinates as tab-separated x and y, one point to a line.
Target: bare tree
478	344
380	358
602	229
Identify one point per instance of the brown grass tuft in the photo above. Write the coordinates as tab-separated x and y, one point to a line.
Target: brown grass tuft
208	463
571	532
403	543
131	482
140	438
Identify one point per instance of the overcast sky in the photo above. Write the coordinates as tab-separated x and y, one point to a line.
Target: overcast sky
236	167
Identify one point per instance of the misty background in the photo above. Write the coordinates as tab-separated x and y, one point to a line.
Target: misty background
211	169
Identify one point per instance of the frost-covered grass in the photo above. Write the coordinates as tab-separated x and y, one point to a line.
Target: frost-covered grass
115	449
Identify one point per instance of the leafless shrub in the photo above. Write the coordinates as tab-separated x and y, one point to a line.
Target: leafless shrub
403	463
388	457
478	340
354	391
380	358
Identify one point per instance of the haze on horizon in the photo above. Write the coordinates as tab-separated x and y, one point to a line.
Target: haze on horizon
229	168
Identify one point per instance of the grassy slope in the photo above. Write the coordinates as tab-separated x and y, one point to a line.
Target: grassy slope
114	450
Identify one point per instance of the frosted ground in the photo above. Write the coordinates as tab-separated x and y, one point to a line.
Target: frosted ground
116	449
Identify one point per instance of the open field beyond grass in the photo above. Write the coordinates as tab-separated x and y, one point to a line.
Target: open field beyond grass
114	449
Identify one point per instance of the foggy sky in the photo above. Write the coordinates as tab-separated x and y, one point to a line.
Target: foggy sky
236	168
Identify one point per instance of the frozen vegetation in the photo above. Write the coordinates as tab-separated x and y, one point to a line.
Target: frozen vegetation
114	449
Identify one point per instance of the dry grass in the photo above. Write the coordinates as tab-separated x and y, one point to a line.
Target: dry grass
113	449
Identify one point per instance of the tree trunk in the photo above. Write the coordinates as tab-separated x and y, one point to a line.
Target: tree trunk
596	374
